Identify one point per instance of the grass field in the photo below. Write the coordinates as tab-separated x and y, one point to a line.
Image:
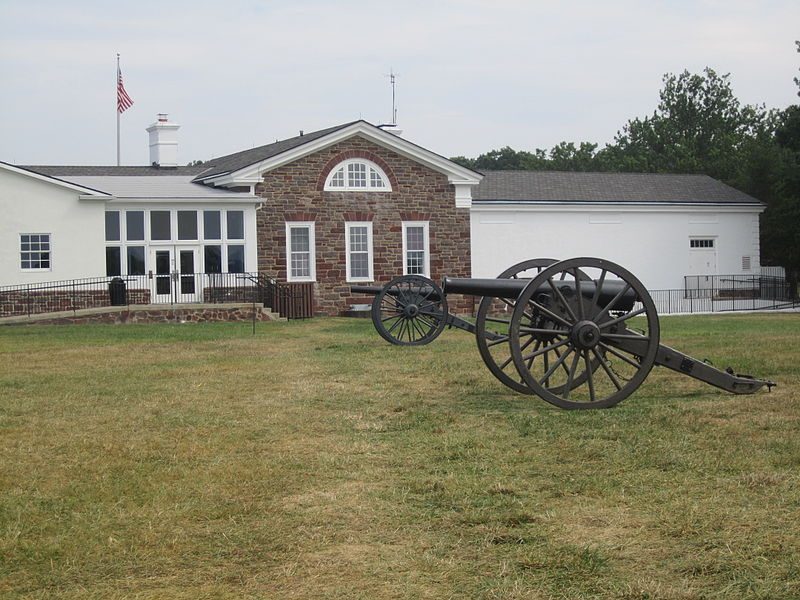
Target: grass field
313	460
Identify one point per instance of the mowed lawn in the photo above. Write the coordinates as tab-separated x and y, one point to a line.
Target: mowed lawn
313	460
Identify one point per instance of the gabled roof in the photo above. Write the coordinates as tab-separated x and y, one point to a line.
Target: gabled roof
581	187
83	190
248	167
234	162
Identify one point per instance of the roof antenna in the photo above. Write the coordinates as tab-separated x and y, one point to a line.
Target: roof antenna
392	80
392	127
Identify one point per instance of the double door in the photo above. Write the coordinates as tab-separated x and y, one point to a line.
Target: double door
175	277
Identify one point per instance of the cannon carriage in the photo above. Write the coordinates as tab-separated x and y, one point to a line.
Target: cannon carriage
580	333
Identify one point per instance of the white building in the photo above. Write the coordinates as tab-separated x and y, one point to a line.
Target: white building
659	227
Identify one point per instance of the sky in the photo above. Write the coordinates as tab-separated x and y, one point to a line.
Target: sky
472	75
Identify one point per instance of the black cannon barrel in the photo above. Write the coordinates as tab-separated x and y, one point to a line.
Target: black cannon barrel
496	288
371	290
510	289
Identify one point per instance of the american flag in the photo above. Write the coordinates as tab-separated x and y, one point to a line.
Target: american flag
124	101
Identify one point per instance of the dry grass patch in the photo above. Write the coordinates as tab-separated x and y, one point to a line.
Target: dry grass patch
313	460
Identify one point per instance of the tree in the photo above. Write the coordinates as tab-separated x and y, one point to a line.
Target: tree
508	159
698	127
568	157
780	228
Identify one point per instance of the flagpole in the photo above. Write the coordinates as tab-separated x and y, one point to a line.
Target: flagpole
117	87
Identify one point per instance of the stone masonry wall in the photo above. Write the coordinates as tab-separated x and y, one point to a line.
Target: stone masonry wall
294	193
152	314
21	302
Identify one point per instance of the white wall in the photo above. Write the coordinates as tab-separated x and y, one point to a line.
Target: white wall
651	242
76	228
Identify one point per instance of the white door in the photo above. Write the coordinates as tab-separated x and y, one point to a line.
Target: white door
702	264
175	275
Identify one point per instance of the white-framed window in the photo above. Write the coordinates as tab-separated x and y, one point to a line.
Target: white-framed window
34	251
416	251
220	233
701	243
357	174
358	258
300	259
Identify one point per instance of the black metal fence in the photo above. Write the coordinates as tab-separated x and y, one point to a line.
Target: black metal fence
296	300
681	302
768	287
290	300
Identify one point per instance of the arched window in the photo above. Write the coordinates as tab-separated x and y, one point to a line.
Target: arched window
358	175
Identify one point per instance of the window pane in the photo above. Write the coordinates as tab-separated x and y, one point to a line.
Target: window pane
358	239
375	179
359	264
235	225
415	263
357	174
112	226
134	221
159	225
338	178
212	259
113	261
187	224
301	266
300	239
415	238
211	225
135	260
235	259
35	250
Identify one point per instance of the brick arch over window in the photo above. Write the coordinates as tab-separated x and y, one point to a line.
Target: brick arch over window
351	154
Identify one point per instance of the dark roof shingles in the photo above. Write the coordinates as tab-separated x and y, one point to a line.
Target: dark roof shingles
570	186
107	170
239	160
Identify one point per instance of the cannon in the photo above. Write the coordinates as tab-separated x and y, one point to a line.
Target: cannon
579	333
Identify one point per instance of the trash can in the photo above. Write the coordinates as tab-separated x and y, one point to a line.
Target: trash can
118	292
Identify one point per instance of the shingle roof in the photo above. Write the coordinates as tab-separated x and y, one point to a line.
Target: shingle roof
239	160
144	187
107	170
562	186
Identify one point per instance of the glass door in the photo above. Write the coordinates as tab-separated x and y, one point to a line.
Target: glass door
161	259
188	283
174	275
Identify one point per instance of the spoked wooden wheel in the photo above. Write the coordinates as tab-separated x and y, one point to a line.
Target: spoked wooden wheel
611	320
409	311
493	322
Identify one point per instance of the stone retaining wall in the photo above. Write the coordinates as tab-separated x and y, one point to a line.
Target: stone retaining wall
23	302
186	313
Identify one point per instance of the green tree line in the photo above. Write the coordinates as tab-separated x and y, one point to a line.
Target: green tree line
699	126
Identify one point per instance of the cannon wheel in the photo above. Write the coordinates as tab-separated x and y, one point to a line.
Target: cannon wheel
409	311
583	327
495	351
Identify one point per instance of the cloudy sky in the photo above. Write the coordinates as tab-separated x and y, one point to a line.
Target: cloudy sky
472	74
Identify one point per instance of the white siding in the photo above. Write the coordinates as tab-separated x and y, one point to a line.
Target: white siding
76	228
651	242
